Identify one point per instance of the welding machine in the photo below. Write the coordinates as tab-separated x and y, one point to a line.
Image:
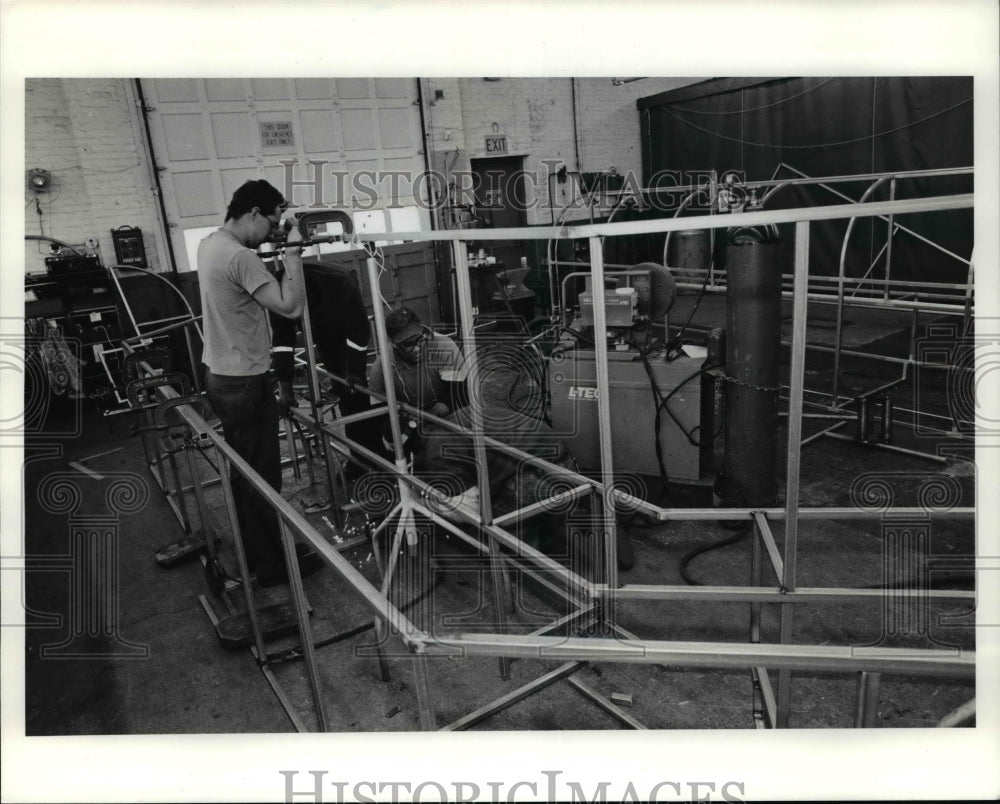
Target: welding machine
665	401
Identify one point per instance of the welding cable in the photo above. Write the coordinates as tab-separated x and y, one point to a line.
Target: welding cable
691	555
665	406
658	401
741	528
296	652
535	372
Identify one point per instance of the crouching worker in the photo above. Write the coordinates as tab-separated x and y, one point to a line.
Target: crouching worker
237	291
566	530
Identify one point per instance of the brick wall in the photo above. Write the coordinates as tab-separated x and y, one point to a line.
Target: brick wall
536	115
85	132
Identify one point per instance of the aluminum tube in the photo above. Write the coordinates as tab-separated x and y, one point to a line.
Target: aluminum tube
276	688
521	514
604	704
423	688
748	219
838	338
305	628
888	239
756	580
866	701
774	594
893	448
513	697
796	380
241	556
906	174
958	716
386	359
569	619
767	539
952	663
609	526
767	693
569	578
501	598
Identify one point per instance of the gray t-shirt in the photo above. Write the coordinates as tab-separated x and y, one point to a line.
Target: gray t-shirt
421	384
237	335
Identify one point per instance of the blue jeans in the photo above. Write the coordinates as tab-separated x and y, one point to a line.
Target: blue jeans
249	414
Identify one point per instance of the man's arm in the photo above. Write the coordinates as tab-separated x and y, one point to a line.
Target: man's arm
287	295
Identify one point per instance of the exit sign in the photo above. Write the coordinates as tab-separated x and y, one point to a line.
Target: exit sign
496	144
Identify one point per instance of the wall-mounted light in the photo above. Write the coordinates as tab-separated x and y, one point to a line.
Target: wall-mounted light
39	180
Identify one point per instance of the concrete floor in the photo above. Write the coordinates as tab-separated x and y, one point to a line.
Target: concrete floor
167	673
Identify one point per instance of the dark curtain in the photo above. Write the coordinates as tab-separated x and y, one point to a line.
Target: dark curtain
828	127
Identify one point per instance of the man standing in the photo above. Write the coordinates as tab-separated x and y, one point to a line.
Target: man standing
236	292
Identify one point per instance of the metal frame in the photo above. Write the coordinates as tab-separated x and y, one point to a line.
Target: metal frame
596	601
938	298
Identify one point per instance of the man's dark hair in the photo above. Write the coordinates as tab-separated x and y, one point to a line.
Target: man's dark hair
398	320
256	193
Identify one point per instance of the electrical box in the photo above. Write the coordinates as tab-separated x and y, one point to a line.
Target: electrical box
619	307
573	393
129	248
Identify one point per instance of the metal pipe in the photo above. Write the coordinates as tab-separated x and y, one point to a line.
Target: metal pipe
305	629
473	383
276	688
571	579
893	448
890	233
609	526
514	696
742	219
767	538
957	717
241	556
767	694
796	380
756	579
956	663
860	177
775	594
604	704
336	497
866	705
838	340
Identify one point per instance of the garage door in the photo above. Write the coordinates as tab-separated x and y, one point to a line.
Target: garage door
211	135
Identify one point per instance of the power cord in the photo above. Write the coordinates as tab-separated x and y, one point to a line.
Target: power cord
738	496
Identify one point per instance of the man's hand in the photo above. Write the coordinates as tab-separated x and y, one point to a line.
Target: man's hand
291	223
286	397
439	409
